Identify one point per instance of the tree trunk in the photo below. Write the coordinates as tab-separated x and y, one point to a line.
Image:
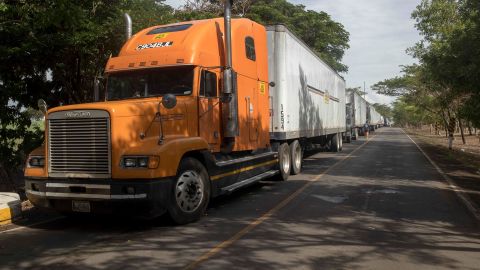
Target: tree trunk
469	126
461	130
451	130
445	124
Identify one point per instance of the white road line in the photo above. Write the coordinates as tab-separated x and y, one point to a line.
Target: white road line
460	192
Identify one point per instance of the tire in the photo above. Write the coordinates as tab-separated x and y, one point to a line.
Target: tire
284	165
296	157
190	192
349	139
334	143
340	142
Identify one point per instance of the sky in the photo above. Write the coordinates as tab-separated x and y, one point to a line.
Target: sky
380	32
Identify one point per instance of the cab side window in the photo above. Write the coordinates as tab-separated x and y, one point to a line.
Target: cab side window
208	84
250	48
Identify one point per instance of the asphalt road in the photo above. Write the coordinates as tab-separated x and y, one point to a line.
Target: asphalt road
376	205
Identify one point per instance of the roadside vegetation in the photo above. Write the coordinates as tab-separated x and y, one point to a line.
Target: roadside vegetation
442	90
54	49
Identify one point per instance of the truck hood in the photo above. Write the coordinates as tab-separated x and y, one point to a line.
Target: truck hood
136	118
122	108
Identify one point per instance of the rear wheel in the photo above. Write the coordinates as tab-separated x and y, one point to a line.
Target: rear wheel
340	142
190	192
296	157
334	143
284	165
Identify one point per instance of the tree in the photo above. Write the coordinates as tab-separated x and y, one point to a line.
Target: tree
446	81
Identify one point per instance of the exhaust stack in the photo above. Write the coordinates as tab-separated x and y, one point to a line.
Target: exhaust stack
128	26
227	88
230	112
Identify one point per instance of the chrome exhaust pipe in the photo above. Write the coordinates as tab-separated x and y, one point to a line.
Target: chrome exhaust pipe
230	100
128	26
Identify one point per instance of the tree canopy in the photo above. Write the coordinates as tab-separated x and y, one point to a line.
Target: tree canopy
445	84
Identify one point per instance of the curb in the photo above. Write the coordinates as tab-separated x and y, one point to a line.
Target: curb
10	208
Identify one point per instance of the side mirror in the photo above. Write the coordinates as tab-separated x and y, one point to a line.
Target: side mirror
169	101
42	106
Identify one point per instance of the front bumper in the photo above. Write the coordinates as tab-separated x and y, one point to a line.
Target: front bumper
148	199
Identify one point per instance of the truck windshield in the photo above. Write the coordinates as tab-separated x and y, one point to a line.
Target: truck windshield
150	82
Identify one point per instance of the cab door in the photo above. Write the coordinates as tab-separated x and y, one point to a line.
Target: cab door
209	112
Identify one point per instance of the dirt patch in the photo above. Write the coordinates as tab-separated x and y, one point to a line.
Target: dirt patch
461	165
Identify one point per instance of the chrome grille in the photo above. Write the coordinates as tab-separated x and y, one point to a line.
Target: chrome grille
79	144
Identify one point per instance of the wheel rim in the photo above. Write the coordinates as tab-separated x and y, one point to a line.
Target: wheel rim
298	156
189	191
286	160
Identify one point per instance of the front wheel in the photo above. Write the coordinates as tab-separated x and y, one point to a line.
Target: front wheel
190	192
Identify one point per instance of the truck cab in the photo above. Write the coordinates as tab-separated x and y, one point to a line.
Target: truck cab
157	142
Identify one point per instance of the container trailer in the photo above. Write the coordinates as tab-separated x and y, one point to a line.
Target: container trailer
374	119
308	99
357	116
192	110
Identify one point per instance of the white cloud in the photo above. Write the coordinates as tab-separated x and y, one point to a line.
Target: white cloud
380	32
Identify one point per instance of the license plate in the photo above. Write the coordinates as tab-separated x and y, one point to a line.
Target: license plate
81	206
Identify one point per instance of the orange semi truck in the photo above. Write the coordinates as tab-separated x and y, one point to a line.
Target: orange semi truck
188	115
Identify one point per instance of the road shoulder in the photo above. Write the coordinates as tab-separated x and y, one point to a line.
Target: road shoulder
463	178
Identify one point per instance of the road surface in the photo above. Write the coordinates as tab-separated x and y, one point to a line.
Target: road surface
376	205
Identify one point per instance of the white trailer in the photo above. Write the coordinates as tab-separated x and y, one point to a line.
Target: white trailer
373	117
357	106
308	99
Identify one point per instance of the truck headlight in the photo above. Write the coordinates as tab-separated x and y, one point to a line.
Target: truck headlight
150	162
36	162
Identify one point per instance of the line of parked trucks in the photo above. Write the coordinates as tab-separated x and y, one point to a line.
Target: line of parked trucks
193	110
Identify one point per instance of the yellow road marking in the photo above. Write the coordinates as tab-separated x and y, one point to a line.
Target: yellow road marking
267	215
215	177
